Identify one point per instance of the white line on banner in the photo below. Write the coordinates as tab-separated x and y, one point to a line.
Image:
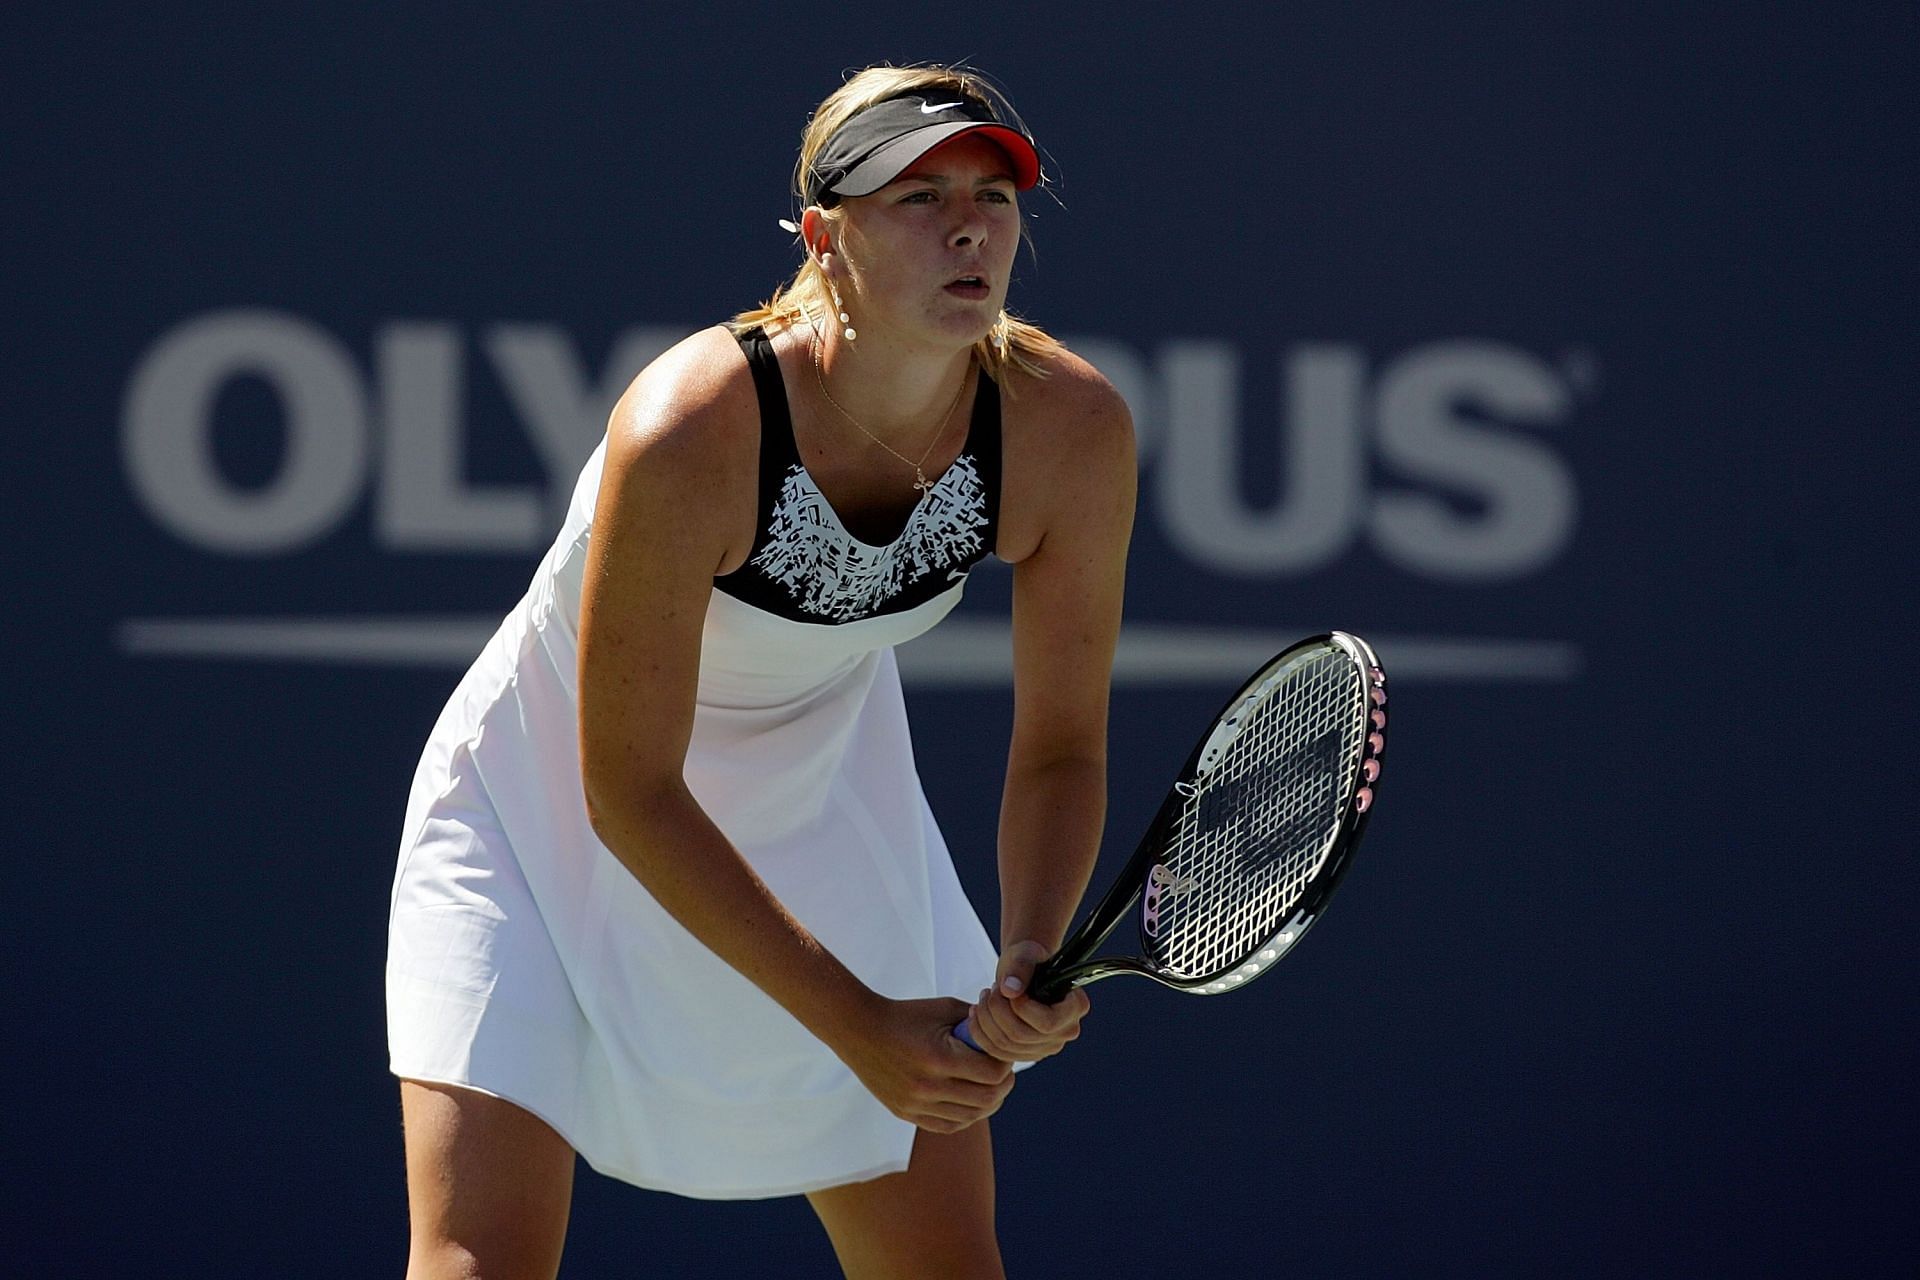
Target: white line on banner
962	652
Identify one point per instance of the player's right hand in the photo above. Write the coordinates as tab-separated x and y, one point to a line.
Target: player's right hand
909	1060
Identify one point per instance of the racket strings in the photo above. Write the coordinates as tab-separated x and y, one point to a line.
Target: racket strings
1263	820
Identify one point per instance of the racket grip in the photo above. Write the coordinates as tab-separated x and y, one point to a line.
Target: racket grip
1047	989
964	1034
1047	986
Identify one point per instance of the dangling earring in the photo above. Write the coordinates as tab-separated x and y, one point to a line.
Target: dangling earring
841	307
998	335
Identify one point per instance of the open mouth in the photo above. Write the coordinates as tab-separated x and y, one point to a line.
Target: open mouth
973	287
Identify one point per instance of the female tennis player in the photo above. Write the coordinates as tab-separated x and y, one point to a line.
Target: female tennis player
669	894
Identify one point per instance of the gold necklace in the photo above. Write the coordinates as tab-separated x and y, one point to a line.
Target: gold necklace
920	482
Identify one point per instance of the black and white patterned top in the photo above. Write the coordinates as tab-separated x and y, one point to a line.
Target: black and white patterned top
806	566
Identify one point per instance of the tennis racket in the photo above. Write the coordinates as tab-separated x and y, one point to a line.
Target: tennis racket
1254	835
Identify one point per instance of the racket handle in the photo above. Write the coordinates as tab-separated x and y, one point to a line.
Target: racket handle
1047	989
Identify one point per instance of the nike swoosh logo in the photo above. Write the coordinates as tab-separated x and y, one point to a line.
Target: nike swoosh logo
927	110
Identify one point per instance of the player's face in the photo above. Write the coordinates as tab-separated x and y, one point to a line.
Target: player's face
930	252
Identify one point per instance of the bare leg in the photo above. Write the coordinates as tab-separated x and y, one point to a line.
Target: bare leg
489	1185
933	1221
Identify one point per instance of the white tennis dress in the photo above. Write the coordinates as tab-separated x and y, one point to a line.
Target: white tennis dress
527	962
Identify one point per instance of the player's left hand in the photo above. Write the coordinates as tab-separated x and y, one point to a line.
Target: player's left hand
1014	1027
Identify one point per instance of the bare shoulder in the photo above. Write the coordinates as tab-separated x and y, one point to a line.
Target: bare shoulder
1068	442
695	396
683	444
1071	404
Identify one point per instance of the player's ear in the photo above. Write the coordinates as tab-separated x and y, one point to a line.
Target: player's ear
816	233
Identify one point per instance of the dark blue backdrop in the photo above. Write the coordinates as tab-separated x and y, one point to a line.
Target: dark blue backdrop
1552	347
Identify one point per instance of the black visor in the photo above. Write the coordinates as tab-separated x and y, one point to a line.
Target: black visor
878	144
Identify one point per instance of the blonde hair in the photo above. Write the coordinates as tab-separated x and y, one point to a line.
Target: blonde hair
1013	343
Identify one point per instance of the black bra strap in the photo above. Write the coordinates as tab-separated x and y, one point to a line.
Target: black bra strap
778	454
983	442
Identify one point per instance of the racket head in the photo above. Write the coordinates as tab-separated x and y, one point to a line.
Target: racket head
1258	829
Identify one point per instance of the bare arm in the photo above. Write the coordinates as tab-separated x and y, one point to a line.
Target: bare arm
1066	621
669	513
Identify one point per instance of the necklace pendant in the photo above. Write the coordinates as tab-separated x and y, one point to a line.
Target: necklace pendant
920	482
